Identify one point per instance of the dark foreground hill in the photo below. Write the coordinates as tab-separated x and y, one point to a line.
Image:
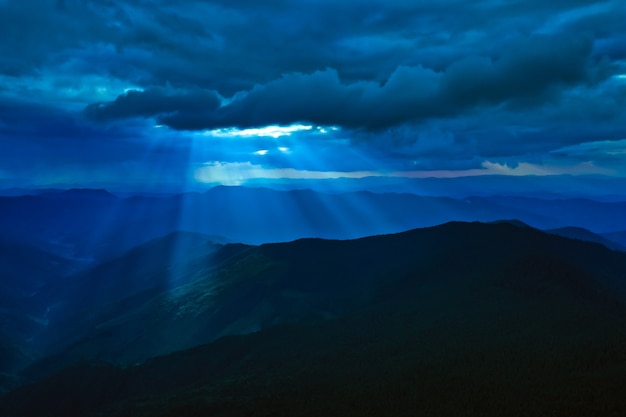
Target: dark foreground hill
460	319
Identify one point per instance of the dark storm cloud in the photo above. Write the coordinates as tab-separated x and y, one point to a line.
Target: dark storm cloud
231	46
153	102
446	82
527	71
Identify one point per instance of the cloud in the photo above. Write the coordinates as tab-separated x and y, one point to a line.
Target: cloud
528	71
430	86
154	102
526	168
238	173
231	46
609	155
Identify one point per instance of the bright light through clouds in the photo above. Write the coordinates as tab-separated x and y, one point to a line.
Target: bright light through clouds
322	129
128	85
238	173
268	131
262	152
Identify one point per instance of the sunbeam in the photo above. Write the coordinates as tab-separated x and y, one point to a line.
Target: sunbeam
310	208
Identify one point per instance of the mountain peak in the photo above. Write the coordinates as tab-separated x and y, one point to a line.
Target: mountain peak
512	222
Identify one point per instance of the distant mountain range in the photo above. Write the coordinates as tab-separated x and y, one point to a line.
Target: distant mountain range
617	237
501	318
92	225
601	188
585	235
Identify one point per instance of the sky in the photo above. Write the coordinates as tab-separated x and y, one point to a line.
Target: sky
184	94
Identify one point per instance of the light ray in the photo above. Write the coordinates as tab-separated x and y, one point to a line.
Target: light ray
268	131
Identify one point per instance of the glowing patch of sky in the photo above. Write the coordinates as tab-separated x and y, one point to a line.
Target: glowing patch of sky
525	168
237	173
268	131
326	129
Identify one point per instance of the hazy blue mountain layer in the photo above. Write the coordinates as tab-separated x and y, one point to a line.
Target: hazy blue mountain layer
92	225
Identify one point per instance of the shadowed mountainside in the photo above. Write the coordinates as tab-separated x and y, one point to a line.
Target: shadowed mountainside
24	272
459	319
63	308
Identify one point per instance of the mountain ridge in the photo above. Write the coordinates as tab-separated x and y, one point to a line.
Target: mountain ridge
343	327
81	225
252	288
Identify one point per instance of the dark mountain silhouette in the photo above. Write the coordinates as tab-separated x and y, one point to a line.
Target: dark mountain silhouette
459	319
512	222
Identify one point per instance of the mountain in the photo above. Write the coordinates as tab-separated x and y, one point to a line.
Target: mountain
618	237
94	225
87	225
544	187
80	302
553	213
458	319
24	272
584	234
